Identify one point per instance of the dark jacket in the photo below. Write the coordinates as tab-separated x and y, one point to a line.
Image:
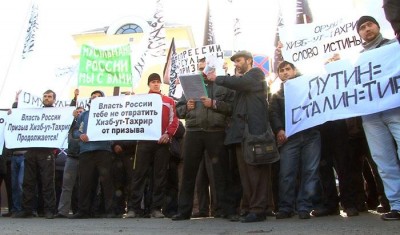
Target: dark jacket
73	143
392	14
208	119
277	111
250	100
81	128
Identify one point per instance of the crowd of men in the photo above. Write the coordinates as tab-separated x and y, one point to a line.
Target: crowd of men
198	170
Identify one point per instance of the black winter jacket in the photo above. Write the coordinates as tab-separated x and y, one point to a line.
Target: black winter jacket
250	101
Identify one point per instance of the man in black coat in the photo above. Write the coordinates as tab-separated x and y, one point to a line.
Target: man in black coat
250	102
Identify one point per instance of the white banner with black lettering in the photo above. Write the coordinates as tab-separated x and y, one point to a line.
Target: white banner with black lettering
131	117
38	127
3	116
29	100
370	85
187	61
306	43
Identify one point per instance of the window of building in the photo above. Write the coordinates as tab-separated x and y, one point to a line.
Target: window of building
129	28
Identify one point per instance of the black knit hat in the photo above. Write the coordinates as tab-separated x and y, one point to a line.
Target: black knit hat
152	77
364	19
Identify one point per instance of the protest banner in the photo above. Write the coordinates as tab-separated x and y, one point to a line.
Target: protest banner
131	117
3	116
312	44
29	100
38	127
187	60
346	89
105	67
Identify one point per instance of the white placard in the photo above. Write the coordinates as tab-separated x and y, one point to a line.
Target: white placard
370	85
312	44
29	100
38	127
131	117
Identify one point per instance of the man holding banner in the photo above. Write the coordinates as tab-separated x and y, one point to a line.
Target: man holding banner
300	155
39	162
95	161
382	129
155	155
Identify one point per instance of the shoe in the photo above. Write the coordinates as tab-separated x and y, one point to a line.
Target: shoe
362	207
24	214
49	215
157	214
253	217
179	216
352	211
283	215
8	214
383	209
203	215
270	214
60	216
112	216
80	215
325	212
233	218
392	215
130	214
304	215
217	215
169	214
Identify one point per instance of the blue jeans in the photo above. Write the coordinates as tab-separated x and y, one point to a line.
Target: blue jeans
302	152
17	177
382	131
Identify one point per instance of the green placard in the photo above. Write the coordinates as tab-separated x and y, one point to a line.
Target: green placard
105	67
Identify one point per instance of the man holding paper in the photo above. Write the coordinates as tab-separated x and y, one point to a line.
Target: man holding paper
206	121
250	105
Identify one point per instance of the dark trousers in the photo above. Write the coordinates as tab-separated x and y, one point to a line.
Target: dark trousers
205	187
335	154
39	165
234	186
374	191
122	178
170	207
95	165
254	184
6	177
150	154
194	146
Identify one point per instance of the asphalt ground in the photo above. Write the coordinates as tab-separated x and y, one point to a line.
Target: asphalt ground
365	223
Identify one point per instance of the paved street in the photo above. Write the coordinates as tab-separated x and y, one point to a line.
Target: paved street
366	223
